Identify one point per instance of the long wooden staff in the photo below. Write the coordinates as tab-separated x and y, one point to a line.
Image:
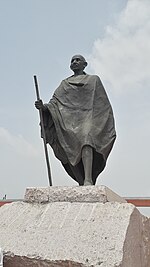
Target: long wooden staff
43	132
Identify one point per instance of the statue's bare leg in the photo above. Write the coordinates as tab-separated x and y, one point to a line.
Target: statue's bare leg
87	159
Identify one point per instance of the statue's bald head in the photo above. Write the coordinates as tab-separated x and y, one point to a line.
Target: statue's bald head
79	56
78	61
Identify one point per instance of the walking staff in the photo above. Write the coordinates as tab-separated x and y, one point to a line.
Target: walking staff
43	132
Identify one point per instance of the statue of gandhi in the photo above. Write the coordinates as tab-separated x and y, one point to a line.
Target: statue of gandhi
79	124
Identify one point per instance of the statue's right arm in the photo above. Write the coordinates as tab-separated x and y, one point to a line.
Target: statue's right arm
39	105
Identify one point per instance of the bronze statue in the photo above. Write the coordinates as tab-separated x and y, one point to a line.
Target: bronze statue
79	124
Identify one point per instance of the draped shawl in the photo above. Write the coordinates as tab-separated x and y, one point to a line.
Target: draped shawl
80	114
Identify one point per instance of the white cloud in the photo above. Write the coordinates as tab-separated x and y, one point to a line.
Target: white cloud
122	57
17	143
21	163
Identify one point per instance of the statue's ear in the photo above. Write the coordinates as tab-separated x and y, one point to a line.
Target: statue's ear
85	64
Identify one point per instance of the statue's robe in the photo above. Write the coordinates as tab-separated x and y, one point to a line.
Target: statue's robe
80	114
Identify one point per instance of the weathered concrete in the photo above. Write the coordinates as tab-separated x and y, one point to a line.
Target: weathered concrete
74	234
101	194
1	258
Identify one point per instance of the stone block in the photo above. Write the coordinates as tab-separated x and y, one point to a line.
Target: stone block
101	194
74	234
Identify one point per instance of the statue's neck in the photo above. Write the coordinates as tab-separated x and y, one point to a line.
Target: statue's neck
79	72
77	78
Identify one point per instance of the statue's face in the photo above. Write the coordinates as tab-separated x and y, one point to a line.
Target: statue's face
77	63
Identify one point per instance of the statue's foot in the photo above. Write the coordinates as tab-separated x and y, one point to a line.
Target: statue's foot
87	182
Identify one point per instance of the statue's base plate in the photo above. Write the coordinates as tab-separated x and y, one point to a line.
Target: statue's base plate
90	194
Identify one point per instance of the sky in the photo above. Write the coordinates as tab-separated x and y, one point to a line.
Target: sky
39	37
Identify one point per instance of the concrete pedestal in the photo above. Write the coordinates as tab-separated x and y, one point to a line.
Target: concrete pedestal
72	227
